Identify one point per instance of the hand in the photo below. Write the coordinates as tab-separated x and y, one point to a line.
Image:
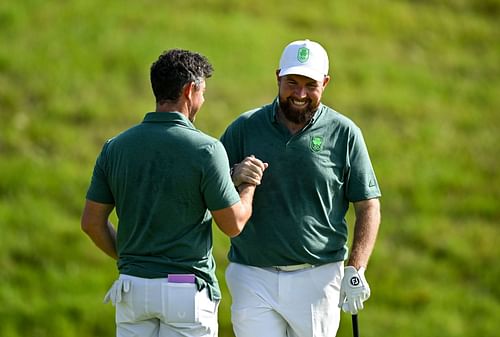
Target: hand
115	292
354	290
249	171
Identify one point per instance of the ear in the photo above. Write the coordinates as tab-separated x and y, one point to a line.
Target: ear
188	90
326	80
278	76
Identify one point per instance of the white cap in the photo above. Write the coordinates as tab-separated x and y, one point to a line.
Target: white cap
306	58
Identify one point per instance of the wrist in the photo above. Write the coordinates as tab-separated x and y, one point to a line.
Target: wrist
356	264
236	183
243	186
360	270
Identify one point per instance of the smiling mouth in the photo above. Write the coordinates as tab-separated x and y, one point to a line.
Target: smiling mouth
298	103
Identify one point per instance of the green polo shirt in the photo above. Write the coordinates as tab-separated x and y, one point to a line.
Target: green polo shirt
299	209
163	176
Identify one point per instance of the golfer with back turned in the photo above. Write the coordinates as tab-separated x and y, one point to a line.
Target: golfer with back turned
165	177
286	274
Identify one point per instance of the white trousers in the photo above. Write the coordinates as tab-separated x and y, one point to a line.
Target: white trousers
156	308
271	303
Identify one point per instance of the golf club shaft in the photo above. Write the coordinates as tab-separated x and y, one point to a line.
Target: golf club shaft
355	331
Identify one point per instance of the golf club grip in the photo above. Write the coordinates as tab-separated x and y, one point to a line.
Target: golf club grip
355	331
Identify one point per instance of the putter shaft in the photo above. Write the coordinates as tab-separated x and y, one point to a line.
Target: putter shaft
355	331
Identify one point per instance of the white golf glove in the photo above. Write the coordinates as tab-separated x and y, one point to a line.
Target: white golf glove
354	290
115	292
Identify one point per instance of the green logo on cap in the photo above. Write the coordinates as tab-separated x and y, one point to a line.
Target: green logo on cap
303	54
316	143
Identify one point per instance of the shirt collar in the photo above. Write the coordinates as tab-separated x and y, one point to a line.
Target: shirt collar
167	117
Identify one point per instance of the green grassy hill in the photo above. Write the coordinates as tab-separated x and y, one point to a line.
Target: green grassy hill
421	78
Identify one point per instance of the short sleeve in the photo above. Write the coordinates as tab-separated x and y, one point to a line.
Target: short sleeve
216	185
99	189
362	182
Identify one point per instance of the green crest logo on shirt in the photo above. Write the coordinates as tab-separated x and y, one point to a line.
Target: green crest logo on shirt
303	54
316	143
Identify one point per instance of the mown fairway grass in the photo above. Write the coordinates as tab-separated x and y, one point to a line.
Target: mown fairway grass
421	78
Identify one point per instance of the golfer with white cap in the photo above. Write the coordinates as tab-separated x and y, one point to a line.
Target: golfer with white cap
286	273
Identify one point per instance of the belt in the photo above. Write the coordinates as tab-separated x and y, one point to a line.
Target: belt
294	267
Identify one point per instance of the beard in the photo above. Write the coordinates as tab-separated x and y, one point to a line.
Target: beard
297	116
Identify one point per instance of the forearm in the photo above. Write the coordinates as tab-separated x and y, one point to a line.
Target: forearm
104	237
95	223
232	220
246	192
365	232
246	176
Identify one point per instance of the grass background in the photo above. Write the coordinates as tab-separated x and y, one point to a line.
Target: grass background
421	78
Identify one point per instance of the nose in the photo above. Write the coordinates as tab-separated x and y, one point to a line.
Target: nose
300	91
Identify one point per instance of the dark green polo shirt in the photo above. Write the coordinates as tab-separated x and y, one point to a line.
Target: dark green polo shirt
299	209
163	176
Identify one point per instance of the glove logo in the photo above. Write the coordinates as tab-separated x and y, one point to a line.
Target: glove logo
354	281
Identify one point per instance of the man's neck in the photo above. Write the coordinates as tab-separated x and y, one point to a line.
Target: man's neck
173	107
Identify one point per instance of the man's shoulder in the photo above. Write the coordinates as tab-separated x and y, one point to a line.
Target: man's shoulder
199	139
254	115
332	116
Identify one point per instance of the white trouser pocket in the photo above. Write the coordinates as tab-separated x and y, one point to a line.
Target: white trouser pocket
179	304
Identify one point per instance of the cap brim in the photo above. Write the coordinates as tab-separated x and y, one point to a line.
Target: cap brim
301	70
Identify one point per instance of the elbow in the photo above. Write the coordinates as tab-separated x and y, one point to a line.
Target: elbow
233	234
232	220
237	226
85	225
241	222
236	230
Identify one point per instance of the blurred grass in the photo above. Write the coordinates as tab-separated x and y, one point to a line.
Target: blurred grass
421	78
